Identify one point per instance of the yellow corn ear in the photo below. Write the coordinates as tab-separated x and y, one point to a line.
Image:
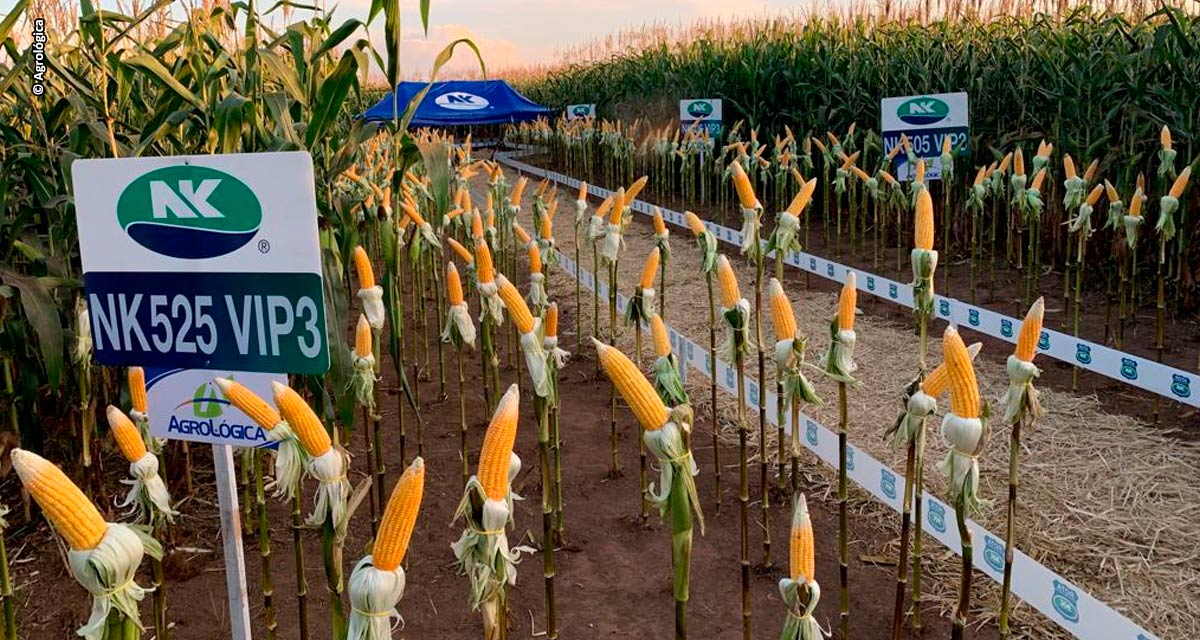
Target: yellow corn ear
522	234
923	233
920	173
634	189
803	552
410	209
137	388
515	198
662	341
849	160
1164	137
582	191
460	250
248	402
618	207
650	269
517	309
1006	162
745	190
1069	166
860	174
847	303
660	226
781	311
454	290
1018	162
887	177
399	518
550	322
363	265
128	437
1031	330
496	454
1091	171
946	148
362	338
1039	179
727	283
74	516
546	225
483	260
1095	194
694	223
301	418
604	207
1180	183
647	407
980	176
964	391
535	259
477	225
1111	192
1135	205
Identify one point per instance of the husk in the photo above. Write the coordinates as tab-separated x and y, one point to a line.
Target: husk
333	490
1165	226
789	363
667	382
554	355
737	334
459	329
595	229
290	460
535	361
1073	195
1132	224
924	264
108	572
374	594
918	406
611	248
1082	222
839	360
537	292
784	240
708	250
800	623
966	437
492	304
751	226
482	551
148	497
546	246
640	306
1021	396
371	301
580	210
362	383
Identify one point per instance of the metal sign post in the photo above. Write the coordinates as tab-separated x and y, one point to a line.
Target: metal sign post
231	542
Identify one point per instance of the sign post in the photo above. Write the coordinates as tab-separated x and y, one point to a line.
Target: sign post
926	120
203	266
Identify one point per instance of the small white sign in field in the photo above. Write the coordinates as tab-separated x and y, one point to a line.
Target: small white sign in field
581	111
185	404
203	262
927	120
701	113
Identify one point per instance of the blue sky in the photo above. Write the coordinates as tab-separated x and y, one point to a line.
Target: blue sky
518	32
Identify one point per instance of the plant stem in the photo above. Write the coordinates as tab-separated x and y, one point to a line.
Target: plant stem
612	338
843	517
762	415
743	490
462	421
1010	535
964	593
264	549
712	384
544	462
643	461
298	557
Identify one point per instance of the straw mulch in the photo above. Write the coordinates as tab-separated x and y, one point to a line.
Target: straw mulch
1108	502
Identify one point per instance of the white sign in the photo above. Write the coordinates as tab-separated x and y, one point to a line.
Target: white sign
185	404
203	261
927	120
701	113
581	111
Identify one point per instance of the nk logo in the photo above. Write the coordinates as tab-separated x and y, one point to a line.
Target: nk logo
461	101
1043	341
937	517
1066	601
1006	328
944	308
581	111
993	553
699	109
189	212
1129	369
973	317
887	484
1083	353
870	283
810	432
923	111
1181	385
893	291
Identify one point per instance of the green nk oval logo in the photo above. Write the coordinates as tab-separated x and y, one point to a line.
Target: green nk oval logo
581	110
699	109
923	111
189	212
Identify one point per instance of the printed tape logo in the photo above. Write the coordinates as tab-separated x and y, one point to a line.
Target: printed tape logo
461	101
993	553
1066	601
1181	385
923	111
887	483
937	517
699	109
189	212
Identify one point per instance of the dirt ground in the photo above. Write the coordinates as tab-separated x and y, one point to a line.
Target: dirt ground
613	573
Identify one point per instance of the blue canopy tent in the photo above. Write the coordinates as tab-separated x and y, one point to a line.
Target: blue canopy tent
459	103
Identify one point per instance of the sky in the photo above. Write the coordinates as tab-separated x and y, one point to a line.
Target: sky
522	32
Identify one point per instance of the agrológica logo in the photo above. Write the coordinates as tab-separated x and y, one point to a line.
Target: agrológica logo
699	109
923	111
189	212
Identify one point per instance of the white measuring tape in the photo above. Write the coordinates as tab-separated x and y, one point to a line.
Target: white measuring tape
1071	608
1168	382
